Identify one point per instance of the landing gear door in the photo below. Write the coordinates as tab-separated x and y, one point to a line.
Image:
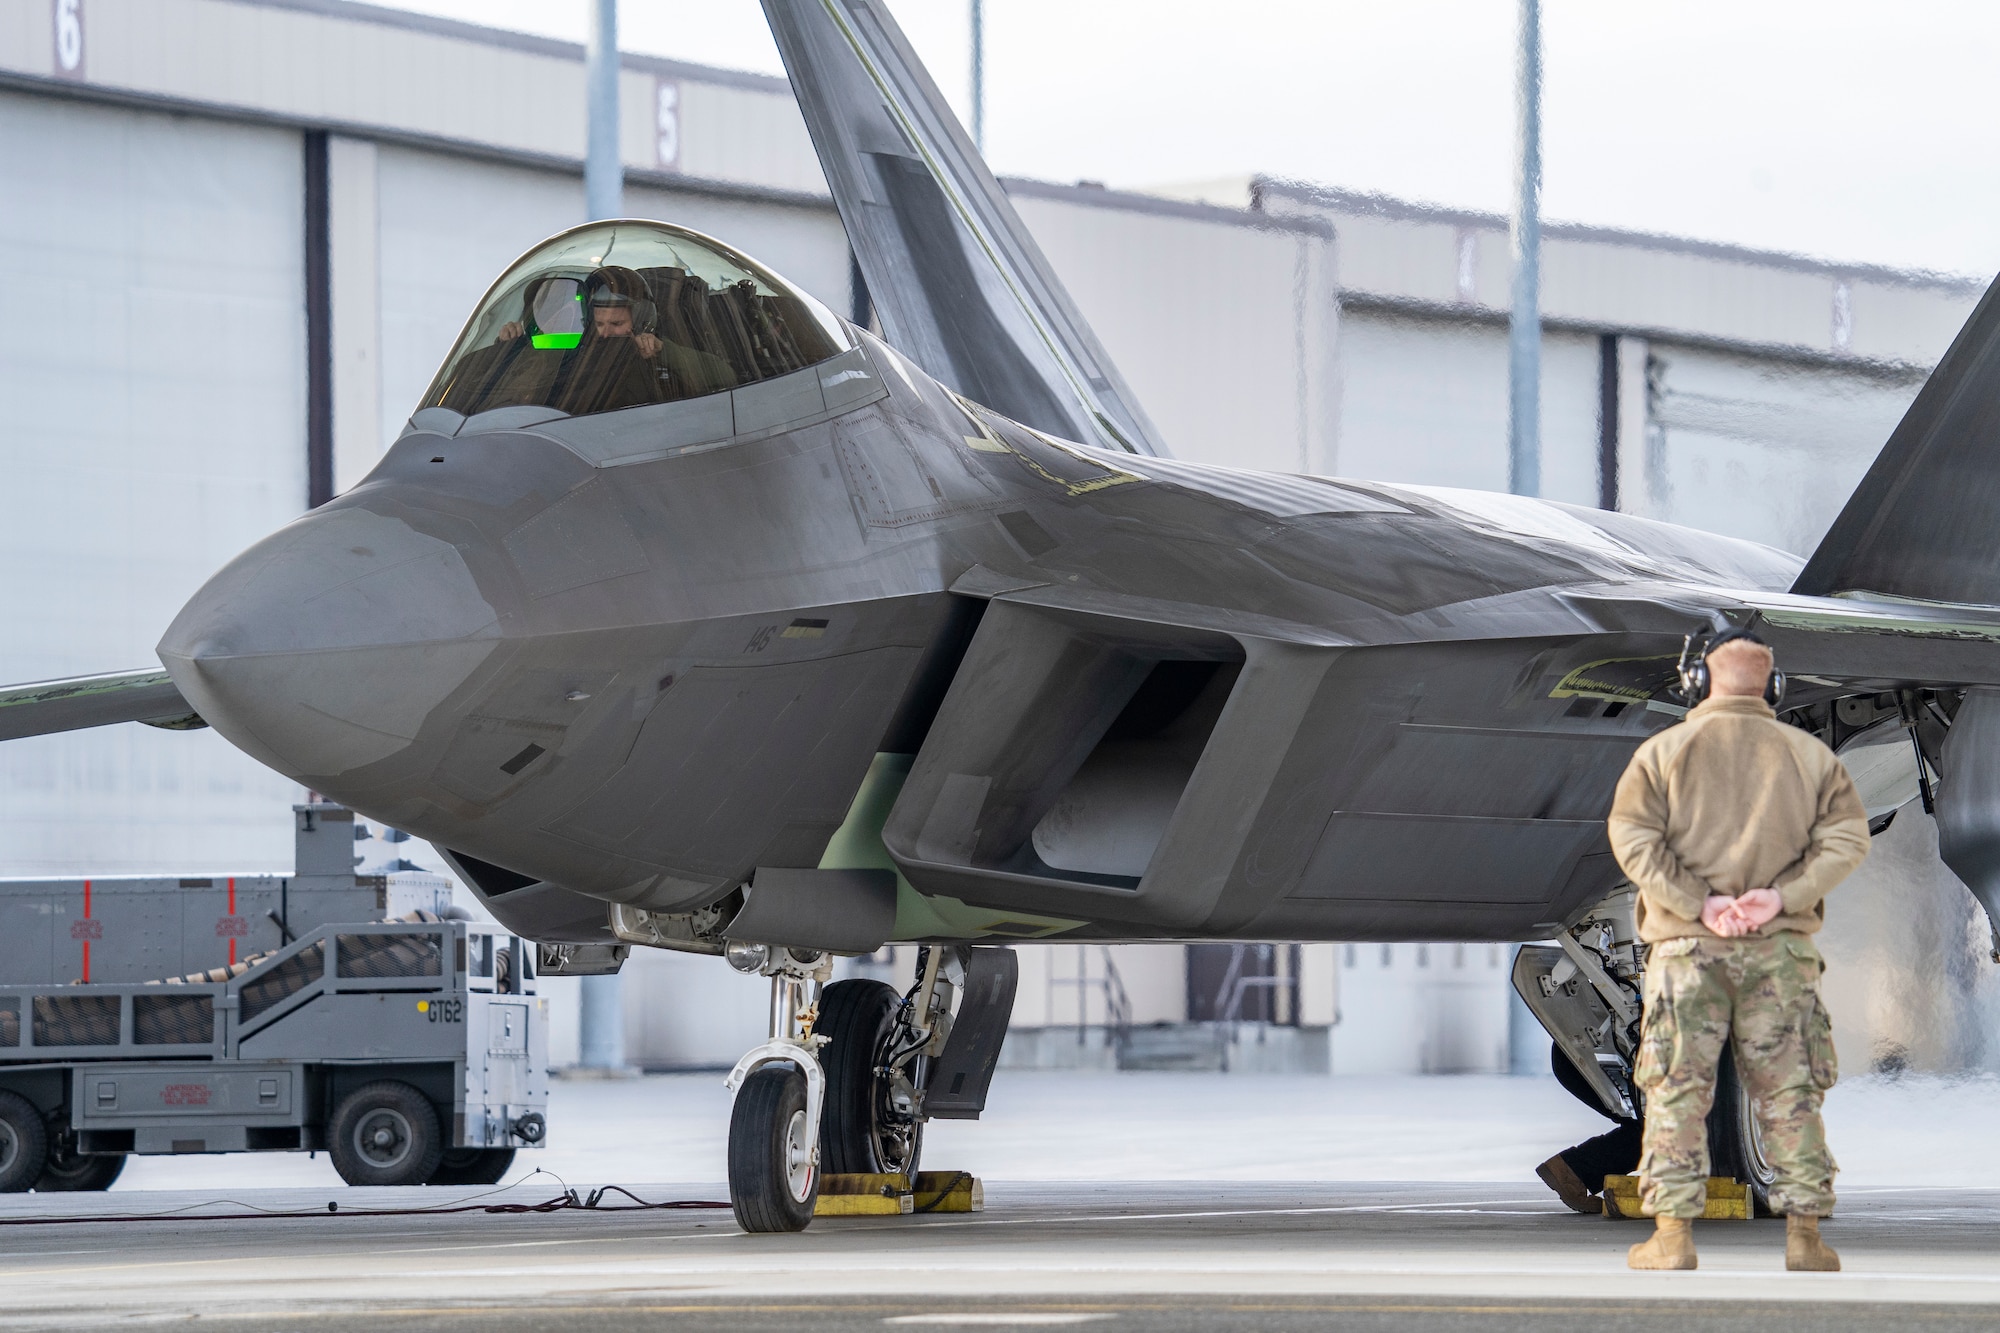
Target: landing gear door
1562	1000
957	1086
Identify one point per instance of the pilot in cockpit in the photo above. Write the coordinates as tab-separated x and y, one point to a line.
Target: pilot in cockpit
614	363
607	363
596	343
615	296
621	306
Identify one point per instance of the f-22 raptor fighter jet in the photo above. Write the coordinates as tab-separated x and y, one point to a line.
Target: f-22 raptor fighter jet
686	614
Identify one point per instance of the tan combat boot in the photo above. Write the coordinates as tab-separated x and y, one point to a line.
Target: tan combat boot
1569	1186
1671	1247
1805	1252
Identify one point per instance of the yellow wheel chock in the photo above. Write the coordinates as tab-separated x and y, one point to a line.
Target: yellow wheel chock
894	1195
1728	1200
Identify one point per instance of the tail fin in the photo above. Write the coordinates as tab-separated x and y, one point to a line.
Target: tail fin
1925	521
960	285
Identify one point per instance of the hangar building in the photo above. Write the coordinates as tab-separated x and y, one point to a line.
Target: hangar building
247	230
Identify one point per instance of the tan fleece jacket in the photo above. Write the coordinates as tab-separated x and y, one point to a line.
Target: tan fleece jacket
1733	799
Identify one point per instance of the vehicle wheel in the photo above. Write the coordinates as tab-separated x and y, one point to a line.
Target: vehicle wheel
68	1171
24	1143
773	1179
385	1134
1735	1143
860	1131
472	1166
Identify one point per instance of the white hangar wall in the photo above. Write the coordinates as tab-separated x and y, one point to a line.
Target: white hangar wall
1757	447
1752	389
1421	1009
1424	401
152	366
1223	322
1749	443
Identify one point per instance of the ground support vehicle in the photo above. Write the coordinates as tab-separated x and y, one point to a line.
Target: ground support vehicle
412	1051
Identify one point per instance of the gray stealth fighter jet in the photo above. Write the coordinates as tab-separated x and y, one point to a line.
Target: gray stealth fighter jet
686	614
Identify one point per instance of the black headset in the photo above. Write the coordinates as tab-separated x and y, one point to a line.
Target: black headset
645	311
1693	667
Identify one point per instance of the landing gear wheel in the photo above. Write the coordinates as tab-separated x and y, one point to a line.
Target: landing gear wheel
773	1179
472	1166
860	1129
1735	1142
385	1134
24	1143
68	1171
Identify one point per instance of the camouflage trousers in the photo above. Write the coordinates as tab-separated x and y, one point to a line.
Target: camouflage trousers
1763	992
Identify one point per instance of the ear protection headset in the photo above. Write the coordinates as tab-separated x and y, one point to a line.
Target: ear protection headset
1693	667
613	286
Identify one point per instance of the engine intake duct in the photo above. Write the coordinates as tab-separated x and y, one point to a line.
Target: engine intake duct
1024	794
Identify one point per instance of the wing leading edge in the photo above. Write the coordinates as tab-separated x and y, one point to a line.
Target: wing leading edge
94	701
959	284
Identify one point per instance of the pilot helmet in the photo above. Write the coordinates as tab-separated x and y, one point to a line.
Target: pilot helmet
615	286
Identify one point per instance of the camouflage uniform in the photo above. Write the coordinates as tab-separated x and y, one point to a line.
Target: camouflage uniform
1765	991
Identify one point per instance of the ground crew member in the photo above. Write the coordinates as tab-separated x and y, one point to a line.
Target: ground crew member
1577	1174
1733	826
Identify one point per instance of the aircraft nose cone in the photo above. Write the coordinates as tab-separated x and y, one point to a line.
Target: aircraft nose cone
324	647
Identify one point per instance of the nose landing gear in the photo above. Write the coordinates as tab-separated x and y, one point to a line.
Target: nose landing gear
843	1084
780	1091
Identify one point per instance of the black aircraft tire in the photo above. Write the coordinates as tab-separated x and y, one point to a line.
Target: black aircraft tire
855	1134
385	1134
773	1181
1735	1145
24	1144
472	1166
66	1172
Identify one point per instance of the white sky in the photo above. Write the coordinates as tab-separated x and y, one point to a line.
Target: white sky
1851	129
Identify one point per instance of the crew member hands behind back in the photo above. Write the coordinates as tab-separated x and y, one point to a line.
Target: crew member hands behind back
1734	826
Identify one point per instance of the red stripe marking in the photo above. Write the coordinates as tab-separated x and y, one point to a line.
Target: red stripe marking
232	912
86	943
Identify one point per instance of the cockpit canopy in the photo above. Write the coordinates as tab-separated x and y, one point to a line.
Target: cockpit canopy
621	314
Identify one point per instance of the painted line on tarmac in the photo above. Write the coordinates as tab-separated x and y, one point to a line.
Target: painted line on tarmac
1002	1318
359	1254
1678	1311
1458	1206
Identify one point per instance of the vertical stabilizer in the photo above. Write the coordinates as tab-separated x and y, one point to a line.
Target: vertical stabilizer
960	286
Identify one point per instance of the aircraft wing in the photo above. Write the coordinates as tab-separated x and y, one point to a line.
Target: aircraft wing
959	284
94	701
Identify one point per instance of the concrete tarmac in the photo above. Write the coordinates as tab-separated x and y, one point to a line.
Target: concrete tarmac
1126	1256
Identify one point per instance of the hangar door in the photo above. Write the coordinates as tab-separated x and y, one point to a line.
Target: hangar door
153	367
1424	401
1763	449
